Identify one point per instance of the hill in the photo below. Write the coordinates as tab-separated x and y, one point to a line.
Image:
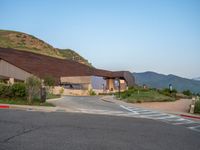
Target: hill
26	42
156	80
198	78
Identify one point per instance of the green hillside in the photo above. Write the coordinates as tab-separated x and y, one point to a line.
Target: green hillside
26	42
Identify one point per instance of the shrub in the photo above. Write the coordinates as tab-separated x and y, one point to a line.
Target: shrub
187	93
166	92
2	89
197	107
33	85
91	92
61	91
5	91
18	90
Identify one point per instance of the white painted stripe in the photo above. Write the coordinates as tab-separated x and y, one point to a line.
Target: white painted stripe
156	115
132	108
124	107
149	113
180	123
140	111
195	128
167	117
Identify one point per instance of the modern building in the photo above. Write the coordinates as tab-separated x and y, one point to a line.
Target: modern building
73	77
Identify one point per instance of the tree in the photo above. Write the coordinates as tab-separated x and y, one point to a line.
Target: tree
33	85
49	81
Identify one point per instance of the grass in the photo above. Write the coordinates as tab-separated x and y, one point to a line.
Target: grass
139	96
19	101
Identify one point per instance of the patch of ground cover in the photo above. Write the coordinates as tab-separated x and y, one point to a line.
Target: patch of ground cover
145	95
19	101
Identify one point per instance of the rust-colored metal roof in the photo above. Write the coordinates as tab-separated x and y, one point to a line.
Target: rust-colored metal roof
41	66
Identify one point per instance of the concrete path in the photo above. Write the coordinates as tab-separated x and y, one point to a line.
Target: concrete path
181	105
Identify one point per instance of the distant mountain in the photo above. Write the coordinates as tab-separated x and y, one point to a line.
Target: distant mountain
198	78
26	42
155	80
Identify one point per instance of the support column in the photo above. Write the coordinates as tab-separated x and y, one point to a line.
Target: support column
110	84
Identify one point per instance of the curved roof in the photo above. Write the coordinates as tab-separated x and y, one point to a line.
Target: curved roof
41	66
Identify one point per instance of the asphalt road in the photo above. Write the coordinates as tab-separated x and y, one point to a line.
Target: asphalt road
87	102
26	130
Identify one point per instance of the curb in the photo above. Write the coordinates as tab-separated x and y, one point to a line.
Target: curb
54	99
4	106
189	116
105	100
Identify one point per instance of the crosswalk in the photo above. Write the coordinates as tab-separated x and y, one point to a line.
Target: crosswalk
164	117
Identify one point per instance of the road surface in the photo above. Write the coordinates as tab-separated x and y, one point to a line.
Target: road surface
22	130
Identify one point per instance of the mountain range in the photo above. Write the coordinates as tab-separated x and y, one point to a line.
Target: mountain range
198	78
26	42
156	80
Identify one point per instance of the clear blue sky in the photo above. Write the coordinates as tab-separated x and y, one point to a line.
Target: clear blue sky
142	35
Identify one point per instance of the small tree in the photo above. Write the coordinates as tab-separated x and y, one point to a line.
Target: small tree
33	85
49	81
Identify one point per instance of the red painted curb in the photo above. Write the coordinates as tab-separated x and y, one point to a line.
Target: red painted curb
194	117
4	106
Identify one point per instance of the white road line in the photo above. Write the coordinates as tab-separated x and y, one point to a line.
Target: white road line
195	128
140	111
128	109
132	108
167	117
182	121
156	115
148	113
185	122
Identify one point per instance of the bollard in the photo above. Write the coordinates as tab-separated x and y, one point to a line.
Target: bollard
192	106
191	109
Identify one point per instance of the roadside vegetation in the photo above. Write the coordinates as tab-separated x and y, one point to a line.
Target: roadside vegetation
91	92
139	95
28	93
197	106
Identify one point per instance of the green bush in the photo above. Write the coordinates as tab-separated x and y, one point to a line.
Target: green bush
166	92
5	91
19	90
197	107
91	92
2	88
187	93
